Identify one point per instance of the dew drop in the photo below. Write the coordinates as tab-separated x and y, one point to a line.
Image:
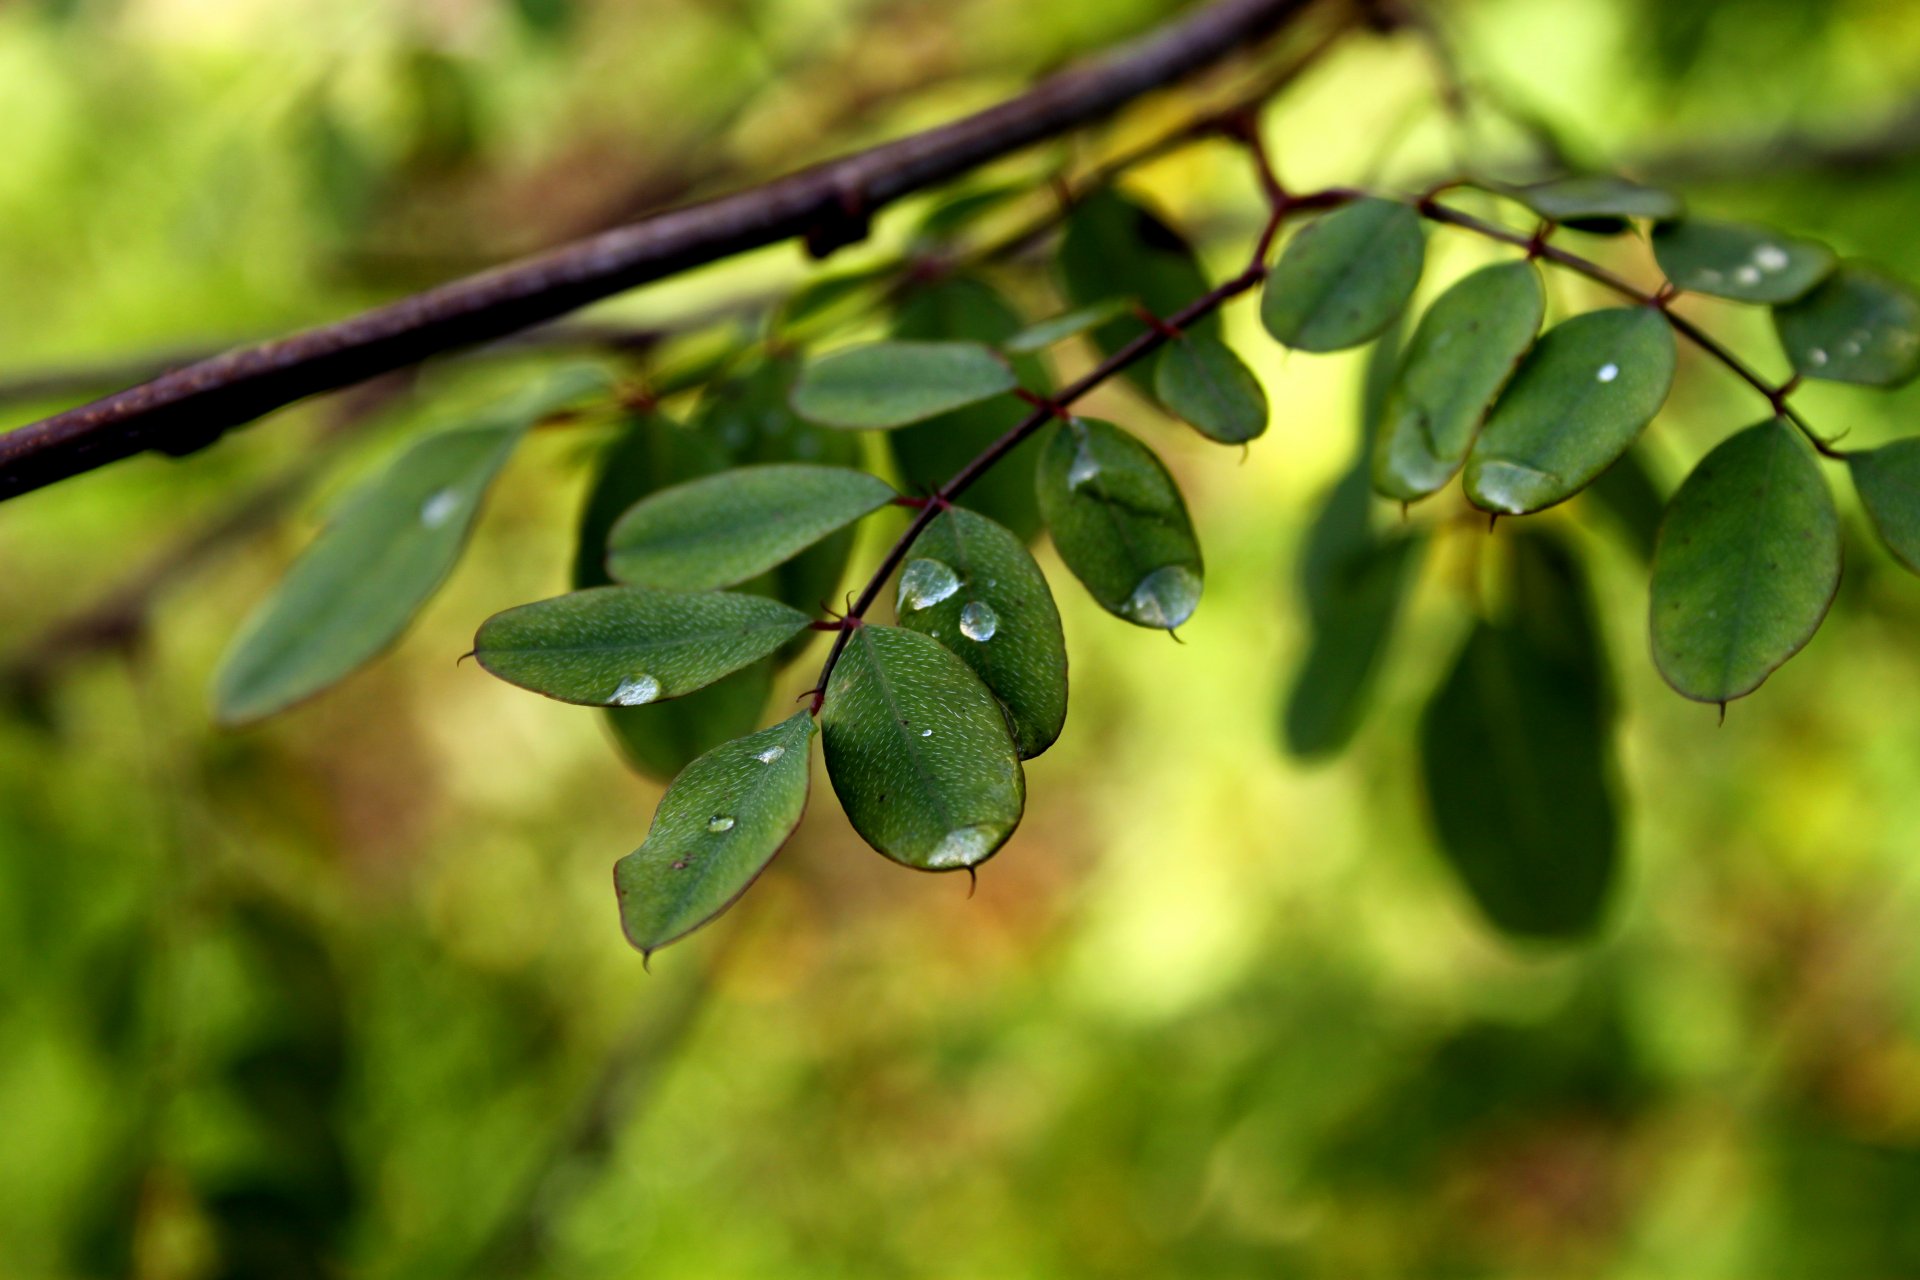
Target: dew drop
1608	372
1165	598
926	733
1748	275
771	754
1710	276
924	584
719	822
1817	356
978	621
1770	257
636	691
439	509
1084	467
962	847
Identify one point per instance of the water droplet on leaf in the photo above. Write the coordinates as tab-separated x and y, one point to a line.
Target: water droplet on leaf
926	583
1165	598
978	621
962	847
439	509
771	754
719	822
636	691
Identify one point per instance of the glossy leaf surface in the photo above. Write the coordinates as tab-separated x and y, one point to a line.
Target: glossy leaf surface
1859	326
1739	261
1345	276
1119	523
1201	380
919	752
1746	565
890	384
1578	402
973	586
716	829
1888	482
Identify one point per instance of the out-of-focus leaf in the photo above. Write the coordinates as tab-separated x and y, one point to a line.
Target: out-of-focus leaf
385	552
628	646
1859	326
1467	345
724	529
1345	276
1381	367
1740	261
1113	244
1119	523
1353	620
1746	566
919	752
716	829
954	214
1515	752
890	384
973	586
820	296
1597	202
1200	379
1628	492
1888	482
1071	324
1579	401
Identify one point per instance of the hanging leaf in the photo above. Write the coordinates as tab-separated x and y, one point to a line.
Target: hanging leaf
1345	276
382	556
1119	524
1746	566
1628	492
1515	752
715	830
973	586
1353	619
1740	261
919	752
723	529
628	646
1113	243
1071	324
1598	203
1858	327
1888	482
1467	346
1579	400
929	454
1201	380
890	384
658	739
825	295
952	215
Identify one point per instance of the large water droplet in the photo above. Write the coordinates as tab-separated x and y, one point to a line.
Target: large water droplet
439	509
635	691
963	847
1165	598
771	754
926	583
978	621
719	822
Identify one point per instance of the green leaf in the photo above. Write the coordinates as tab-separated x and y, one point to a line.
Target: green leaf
1377	374
1353	620
973	586
919	752
723	529
1345	276
1467	346
890	384
1515	752
1200	379
1740	261
1119	524
1599	203
1628	492
628	646
716	829
931	453
1888	482
1071	324
1859	326
1113	243
386	550
1746	566
1580	399
952	215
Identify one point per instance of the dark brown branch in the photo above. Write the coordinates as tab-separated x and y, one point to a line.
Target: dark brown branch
828	205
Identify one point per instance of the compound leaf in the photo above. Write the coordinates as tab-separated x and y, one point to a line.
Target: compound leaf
1200	379
890	384
1859	326
1345	277
1739	261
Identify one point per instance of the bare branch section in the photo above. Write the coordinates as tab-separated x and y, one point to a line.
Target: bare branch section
830	205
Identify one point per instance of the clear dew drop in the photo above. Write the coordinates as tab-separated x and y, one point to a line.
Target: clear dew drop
771	754
962	847
1165	598
1748	275
1817	356
926	733
1770	257
439	508
635	691
978	621
1083	468
1608	372
926	583
719	822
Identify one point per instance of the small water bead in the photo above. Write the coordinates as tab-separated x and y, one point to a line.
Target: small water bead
719	822
1817	356
635	691
1608	372
926	583
978	621
926	733
1083	468
439	509
1164	598
962	847
1771	257
1747	275
771	754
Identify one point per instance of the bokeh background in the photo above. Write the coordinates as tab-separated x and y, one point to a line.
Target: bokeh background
345	994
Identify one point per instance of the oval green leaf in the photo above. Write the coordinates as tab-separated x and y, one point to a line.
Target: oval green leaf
1071	324
1353	621
919	752
973	586
890	384
716	829
1200	379
1579	401
1858	326
1113	243
1888	482
723	529
1597	202
1740	261
628	646
1465	349
1345	277
1746	565
1119	523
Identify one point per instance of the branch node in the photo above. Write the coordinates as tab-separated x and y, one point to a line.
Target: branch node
1040	402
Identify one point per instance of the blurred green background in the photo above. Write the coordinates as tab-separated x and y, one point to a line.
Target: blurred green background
345	994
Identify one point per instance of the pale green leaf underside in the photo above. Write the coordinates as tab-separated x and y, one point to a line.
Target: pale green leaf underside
1858	326
890	384
1739	261
628	646
721	530
716	828
1888	482
1345	277
1746	565
1201	380
919	752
